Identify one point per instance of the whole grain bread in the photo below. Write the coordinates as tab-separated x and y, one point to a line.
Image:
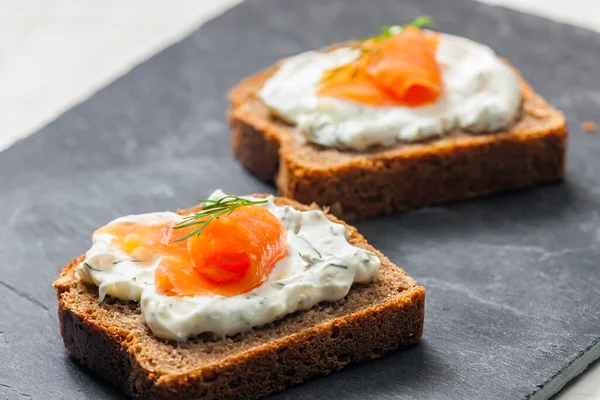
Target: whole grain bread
112	339
355	185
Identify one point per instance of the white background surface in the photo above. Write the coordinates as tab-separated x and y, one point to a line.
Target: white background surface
54	54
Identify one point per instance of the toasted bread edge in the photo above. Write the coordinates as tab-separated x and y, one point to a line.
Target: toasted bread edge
102	337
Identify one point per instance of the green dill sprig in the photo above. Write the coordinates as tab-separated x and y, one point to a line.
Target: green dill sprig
133	260
309	244
422	21
386	31
342	266
85	264
211	210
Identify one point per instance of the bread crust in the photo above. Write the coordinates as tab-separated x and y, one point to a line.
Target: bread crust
112	339
357	185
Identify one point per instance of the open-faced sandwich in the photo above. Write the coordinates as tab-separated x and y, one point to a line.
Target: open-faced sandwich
405	119
237	298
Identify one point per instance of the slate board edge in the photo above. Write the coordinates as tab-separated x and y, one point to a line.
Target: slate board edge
570	372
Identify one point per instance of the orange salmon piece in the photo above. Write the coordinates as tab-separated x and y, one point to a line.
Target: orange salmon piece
144	242
399	71
351	82
406	65
232	255
239	249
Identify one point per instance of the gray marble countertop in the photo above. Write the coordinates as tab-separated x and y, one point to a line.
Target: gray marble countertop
55	54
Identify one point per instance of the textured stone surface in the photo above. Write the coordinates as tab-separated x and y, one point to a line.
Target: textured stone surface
513	281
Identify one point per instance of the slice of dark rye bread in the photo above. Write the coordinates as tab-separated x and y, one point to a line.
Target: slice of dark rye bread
357	185
112	339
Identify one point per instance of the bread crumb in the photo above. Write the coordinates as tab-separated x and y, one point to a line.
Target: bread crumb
589	126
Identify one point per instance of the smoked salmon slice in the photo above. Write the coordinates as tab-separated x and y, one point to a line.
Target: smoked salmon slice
145	242
400	70
241	247
233	254
352	82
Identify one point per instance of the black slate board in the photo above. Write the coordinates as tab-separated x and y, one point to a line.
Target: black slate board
513	284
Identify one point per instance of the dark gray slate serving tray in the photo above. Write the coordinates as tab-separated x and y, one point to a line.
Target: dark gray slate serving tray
513	280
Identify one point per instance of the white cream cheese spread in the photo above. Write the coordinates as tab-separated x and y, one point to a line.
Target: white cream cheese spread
321	265
481	94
